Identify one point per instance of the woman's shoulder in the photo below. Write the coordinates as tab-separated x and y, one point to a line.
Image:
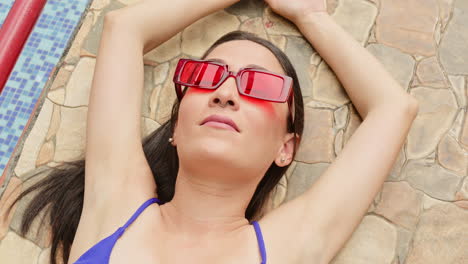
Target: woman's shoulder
100	222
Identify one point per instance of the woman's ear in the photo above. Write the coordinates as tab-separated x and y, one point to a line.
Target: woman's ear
286	152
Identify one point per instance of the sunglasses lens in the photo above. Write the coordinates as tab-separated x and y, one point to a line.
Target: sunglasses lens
261	85
258	84
200	74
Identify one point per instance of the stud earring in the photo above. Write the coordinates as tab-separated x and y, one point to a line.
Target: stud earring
282	159
171	140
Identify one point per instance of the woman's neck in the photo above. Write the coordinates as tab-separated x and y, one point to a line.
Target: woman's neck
204	207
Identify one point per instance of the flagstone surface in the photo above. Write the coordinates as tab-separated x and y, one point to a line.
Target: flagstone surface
421	213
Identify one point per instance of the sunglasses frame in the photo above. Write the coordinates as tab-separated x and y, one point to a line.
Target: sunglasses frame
286	92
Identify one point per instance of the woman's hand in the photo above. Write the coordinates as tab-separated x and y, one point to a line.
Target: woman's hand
295	9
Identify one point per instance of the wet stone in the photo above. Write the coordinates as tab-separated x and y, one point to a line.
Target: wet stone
242	18
166	96
12	191
430	73
408	25
462	194
254	25
79	86
91	42
71	135
54	123
437	109
199	36
374	241
464	133
160	73
46	154
166	51
458	85
338	144
33	142
279	193
249	8
17	250
441	237
340	117
299	51
73	54
303	177
399	65
354	121
445	9
99	4
279	41
452	156
346	14
429	202
318	104
395	173
149	126
462	204
432	179
147	90
128	2
154	101
400	203
44	257
57	96
331	6
327	88
455	130
452	50
403	244
276	24
61	79
317	140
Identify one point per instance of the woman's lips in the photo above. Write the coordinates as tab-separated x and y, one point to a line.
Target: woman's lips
219	125
221	119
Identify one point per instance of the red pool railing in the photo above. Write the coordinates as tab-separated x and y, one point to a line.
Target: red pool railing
15	32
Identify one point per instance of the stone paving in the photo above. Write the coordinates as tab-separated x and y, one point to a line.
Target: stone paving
420	215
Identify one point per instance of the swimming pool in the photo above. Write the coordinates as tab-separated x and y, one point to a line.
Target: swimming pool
41	54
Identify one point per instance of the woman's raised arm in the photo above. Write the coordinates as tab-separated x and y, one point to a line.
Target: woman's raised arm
324	217
116	167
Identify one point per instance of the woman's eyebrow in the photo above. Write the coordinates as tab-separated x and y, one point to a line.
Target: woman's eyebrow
249	65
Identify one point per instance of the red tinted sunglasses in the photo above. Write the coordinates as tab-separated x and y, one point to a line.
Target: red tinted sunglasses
250	82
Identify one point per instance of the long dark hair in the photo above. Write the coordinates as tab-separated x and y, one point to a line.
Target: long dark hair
61	192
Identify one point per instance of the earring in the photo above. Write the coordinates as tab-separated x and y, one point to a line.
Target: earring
282	159
171	140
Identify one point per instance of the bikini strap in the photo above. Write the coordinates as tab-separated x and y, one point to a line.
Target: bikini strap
261	243
139	210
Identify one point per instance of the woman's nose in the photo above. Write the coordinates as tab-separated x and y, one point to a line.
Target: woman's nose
226	93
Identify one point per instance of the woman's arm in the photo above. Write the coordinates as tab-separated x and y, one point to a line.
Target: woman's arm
322	219
114	154
364	78
156	21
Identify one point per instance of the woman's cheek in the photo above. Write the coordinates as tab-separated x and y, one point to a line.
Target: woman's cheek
266	106
195	91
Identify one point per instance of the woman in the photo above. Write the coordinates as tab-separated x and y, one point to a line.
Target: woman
194	192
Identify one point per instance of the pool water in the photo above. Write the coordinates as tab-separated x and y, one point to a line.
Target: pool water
42	52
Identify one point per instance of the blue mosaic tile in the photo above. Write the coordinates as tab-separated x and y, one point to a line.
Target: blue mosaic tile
5	6
41	53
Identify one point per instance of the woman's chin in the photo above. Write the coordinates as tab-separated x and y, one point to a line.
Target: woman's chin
212	150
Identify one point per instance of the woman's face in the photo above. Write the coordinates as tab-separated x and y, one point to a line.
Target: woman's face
262	138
